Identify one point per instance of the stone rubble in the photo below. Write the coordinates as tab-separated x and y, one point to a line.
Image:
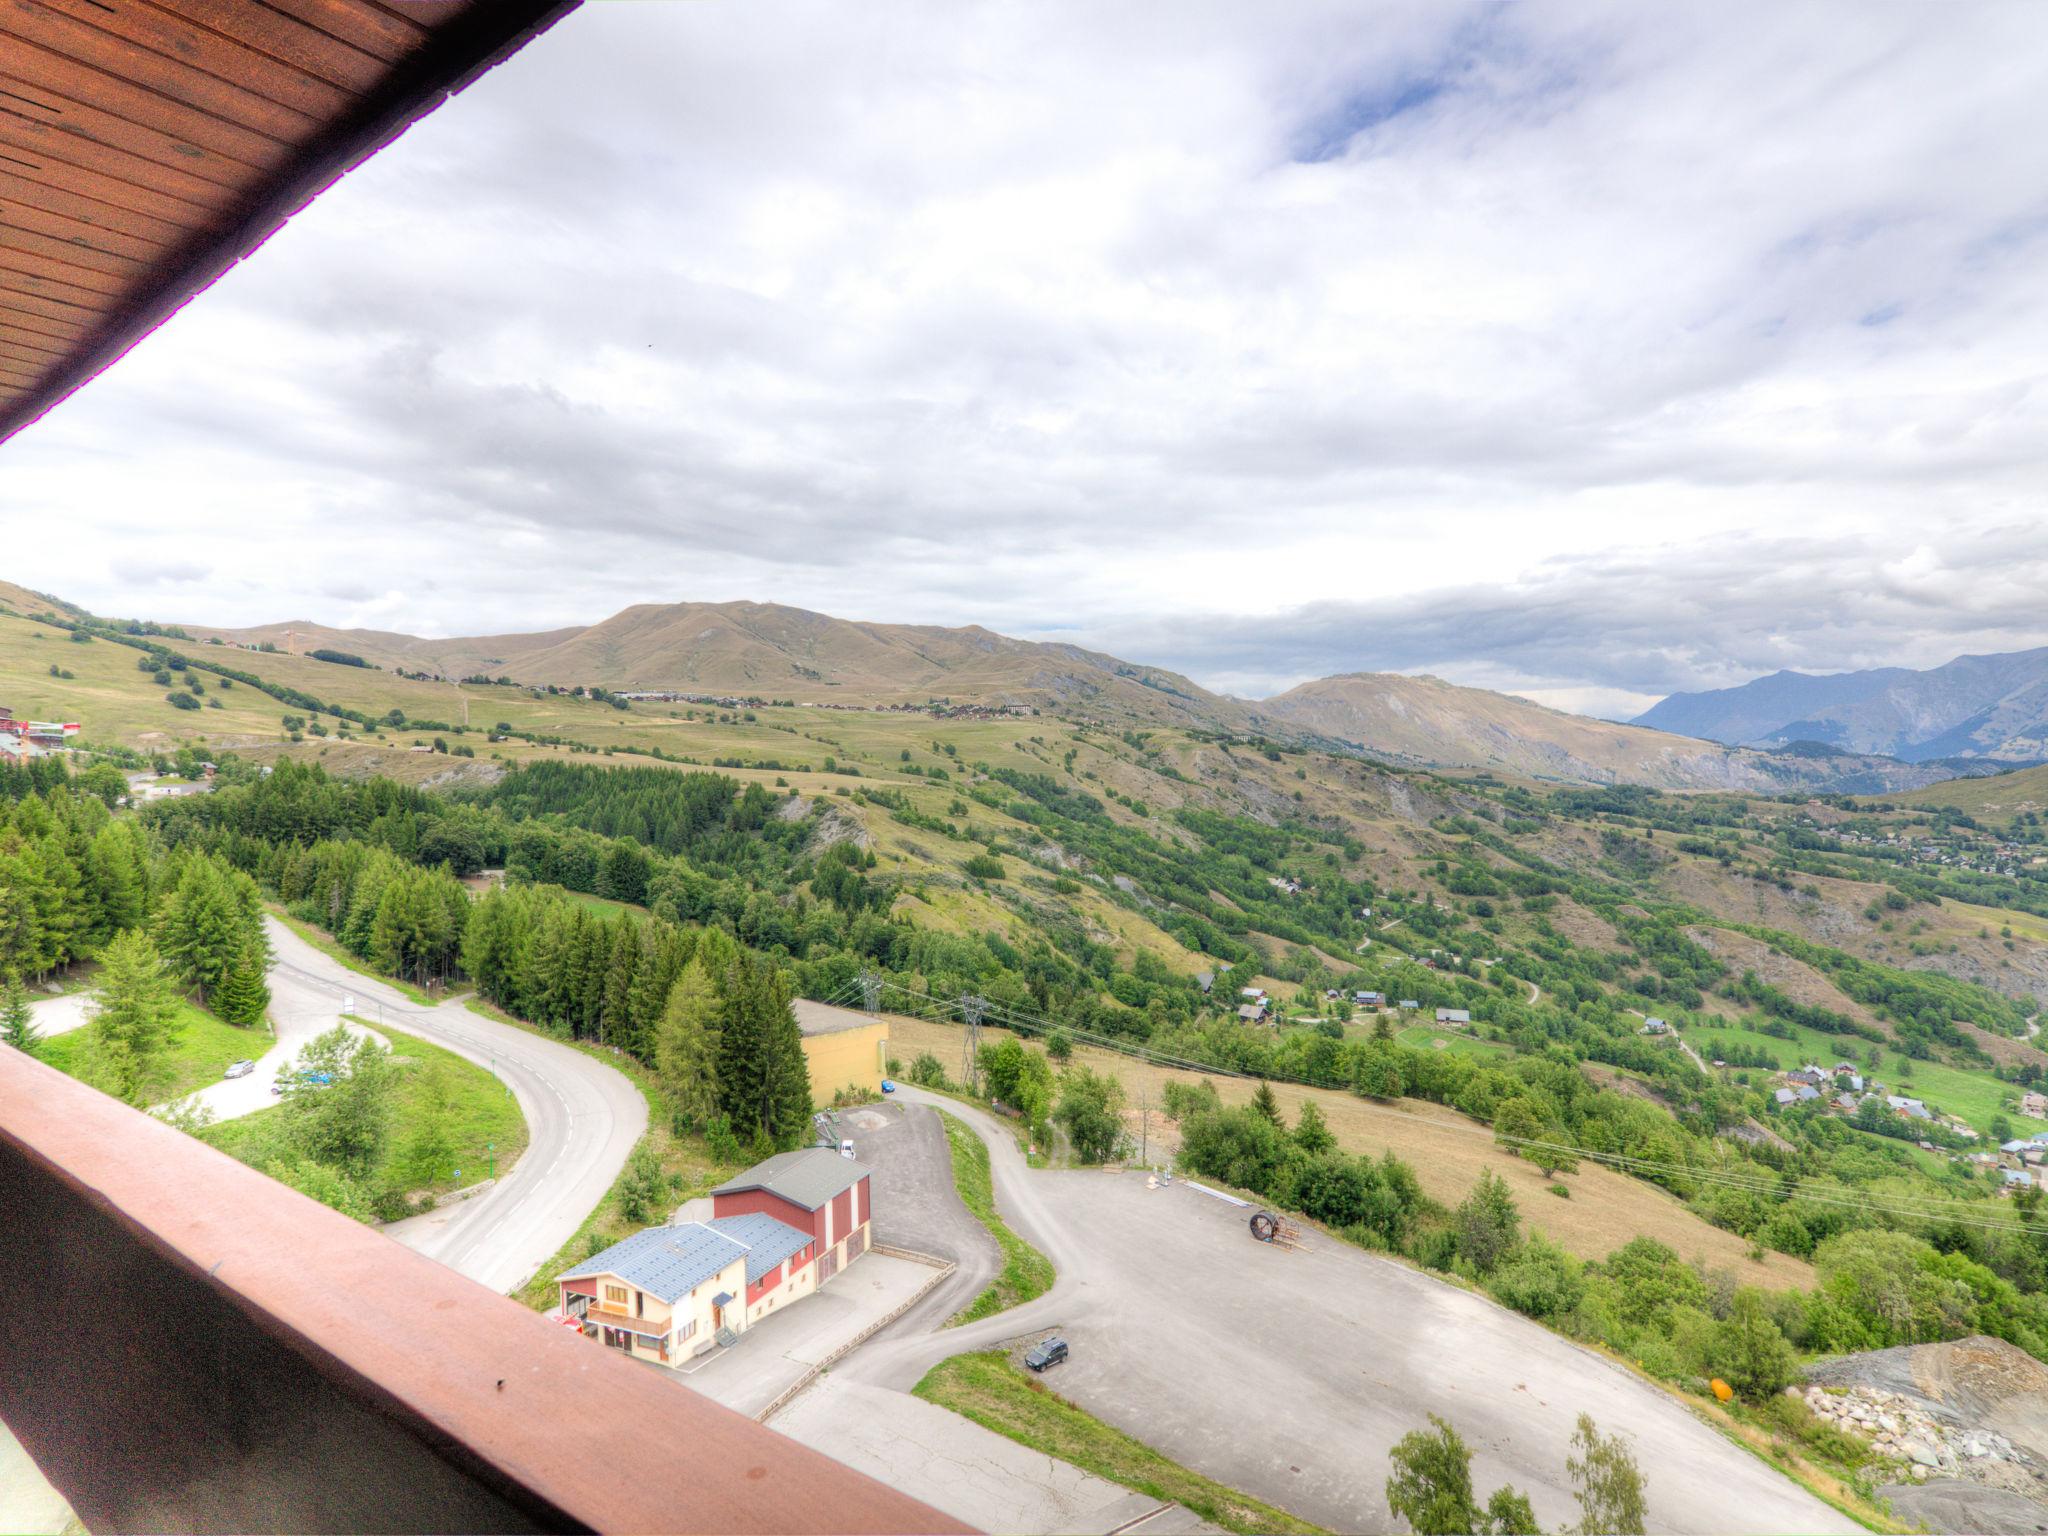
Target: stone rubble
1899	1430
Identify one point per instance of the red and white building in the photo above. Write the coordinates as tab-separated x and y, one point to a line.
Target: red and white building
815	1190
777	1232
32	738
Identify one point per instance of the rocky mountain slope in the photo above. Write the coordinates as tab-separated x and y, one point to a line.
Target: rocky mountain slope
1975	706
1426	720
1962	1425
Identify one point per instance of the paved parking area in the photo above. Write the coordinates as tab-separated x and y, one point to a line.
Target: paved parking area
1291	1374
955	1465
774	1353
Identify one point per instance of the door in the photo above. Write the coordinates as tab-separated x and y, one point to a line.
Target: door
828	1266
717	1317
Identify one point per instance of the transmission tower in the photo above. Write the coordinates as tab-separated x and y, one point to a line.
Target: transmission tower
870	991
972	1008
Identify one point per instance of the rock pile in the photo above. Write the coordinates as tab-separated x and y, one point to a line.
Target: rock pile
1899	1430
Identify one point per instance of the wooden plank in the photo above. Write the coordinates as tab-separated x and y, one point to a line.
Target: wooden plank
201	48
368	27
93	166
45	87
64	180
42	296
25	204
24	351
120	270
19	384
103	52
80	284
27	323
291	42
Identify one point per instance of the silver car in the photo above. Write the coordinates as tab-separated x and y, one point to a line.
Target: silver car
240	1069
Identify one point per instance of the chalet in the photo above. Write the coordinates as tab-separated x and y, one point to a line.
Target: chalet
2016	1178
1205	979
1783	1095
1806	1093
1252	994
1252	1013
1846	1102
1910	1109
1459	1016
1813	1077
1370	999
1410	1003
2034	1105
1655	1026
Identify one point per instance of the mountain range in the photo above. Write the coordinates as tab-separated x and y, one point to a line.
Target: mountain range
773	651
1993	707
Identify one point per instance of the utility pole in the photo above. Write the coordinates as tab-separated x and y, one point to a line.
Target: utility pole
1145	1128
971	1009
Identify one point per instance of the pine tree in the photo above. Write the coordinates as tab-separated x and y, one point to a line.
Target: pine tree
243	996
202	928
787	1107
686	1048
17	1022
135	1017
615	1021
1266	1104
764	1084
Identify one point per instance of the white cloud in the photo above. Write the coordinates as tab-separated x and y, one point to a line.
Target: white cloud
1662	347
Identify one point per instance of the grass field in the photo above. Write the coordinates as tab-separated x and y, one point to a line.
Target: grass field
605	907
480	1117
204	1050
1448	1152
1026	1272
1975	1096
1426	1037
996	1394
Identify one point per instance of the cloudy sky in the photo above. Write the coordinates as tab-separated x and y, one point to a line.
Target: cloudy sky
1585	351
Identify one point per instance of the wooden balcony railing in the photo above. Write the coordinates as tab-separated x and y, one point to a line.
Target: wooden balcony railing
258	1362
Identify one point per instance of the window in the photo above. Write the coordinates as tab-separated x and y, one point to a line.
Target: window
615	1296
686	1330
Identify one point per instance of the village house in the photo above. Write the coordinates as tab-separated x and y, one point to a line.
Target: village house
1370	999
1908	1109
1252	1013
1655	1026
1458	1016
2034	1105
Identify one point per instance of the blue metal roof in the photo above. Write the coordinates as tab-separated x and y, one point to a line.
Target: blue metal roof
668	1262
767	1241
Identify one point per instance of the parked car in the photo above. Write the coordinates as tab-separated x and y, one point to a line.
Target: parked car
888	1086
240	1069
1046	1353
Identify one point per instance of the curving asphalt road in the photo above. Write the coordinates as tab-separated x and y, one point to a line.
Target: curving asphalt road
582	1117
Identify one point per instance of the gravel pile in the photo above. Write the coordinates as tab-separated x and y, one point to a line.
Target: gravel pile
1898	1430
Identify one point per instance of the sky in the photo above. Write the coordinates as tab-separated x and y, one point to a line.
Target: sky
1583	351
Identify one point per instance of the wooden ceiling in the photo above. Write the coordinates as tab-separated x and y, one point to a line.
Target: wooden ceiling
148	145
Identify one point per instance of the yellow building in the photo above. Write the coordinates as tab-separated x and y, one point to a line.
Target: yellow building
844	1049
